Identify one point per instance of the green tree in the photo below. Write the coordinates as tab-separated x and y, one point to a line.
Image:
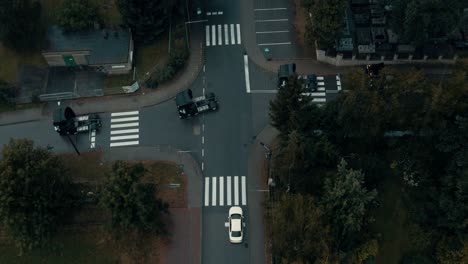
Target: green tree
360	254
346	200
298	231
21	27
76	15
327	20
148	19
34	193
419	20
289	107
131	203
452	250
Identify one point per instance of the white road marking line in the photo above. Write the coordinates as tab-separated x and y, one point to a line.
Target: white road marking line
272	32
207	39
214	13
125	137
126	143
226	34
208	13
337	77
236	190
319	100
220	12
246	72
263	91
270	9
220	36
320	88
321	83
213	35
228	188
207	191
203	127
125	113
203	166
320	78
274	44
124	131
233	39
339	87
221	191
125	119
93	145
338	83
244	191
203	152
213	191
203	139
271	20
314	94
125	125
238	34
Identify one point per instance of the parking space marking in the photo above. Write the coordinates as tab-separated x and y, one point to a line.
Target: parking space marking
272	20
274	44
270	9
272	32
246	73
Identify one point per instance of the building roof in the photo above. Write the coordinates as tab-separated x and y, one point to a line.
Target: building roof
105	46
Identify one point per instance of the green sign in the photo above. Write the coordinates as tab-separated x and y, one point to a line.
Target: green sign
69	60
199	11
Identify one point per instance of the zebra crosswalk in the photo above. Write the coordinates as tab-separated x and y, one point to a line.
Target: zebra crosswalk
124	129
227	34
320	95
225	191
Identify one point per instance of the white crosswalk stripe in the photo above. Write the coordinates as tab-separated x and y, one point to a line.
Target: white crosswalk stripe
234	192
214	35
124	129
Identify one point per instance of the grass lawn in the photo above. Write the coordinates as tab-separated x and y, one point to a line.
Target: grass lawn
11	60
148	57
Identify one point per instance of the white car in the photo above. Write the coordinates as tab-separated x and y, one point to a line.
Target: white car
236	224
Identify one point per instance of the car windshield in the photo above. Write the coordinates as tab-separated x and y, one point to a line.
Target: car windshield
236	233
236	216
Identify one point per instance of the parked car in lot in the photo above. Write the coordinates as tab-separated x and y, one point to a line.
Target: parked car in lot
236	225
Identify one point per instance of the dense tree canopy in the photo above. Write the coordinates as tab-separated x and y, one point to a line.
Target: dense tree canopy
34	193
346	199
25	34
76	15
418	21
148	19
132	204
299	232
327	20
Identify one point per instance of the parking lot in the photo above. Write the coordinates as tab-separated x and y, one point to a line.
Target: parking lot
274	29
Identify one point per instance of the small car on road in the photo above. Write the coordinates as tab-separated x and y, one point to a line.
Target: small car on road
236	225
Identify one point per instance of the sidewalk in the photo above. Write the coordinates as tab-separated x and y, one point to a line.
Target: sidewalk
123	102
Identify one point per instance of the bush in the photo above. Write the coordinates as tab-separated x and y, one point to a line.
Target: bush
177	59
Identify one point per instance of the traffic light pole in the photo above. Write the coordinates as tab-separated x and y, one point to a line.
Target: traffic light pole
73	144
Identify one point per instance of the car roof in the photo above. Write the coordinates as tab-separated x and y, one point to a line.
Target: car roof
236	225
235	210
